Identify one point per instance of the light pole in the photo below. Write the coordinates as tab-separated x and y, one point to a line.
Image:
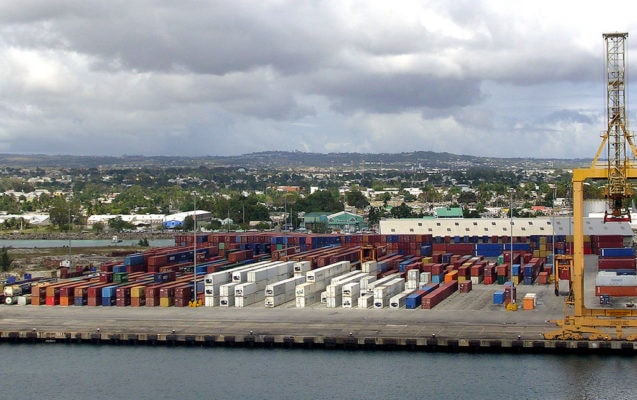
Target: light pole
511	233
194	250
553	225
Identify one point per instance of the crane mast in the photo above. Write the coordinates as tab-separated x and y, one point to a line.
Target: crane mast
616	137
581	321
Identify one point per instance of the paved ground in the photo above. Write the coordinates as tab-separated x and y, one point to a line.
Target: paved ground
462	315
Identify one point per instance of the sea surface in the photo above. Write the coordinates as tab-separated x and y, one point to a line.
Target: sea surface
31	244
95	372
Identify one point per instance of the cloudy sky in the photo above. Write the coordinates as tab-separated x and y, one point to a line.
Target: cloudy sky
203	77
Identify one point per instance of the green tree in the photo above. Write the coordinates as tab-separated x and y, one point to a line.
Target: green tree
467	198
5	259
214	224
61	212
355	198
189	223
402	211
98	227
373	216
262	226
321	200
118	224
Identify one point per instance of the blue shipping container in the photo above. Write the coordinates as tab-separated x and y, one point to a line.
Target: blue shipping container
617	252
414	300
498	297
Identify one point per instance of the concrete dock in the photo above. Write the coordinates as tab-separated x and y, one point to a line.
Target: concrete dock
468	322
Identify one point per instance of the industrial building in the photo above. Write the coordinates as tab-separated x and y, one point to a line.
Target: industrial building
521	227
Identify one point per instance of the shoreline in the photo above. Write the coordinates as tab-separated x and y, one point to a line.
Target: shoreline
317	328
87	236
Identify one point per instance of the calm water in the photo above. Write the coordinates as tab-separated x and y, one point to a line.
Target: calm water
30	244
61	371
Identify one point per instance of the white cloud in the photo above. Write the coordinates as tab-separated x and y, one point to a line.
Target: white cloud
495	78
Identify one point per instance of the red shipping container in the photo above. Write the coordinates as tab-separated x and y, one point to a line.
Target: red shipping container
616	263
432	299
477	270
623	291
465	287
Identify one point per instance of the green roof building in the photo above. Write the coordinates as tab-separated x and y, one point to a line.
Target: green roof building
448	212
345	221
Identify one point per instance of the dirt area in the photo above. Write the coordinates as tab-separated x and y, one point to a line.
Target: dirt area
30	260
48	259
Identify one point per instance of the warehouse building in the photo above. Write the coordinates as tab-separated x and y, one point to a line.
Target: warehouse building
479	227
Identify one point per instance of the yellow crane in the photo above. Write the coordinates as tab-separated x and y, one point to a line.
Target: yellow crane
581	322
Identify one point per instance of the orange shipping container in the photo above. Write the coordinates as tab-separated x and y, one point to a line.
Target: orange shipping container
528	301
451	276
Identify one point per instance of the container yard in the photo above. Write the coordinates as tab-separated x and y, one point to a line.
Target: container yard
380	276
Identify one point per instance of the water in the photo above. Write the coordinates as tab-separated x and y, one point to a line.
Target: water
31	244
71	371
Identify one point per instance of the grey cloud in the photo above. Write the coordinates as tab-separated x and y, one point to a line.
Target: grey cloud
152	76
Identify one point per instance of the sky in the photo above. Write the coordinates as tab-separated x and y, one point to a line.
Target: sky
212	78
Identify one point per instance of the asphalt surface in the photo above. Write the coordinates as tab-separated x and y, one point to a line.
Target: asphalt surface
462	316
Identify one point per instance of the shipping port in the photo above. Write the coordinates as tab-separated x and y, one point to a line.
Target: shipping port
428	285
418	291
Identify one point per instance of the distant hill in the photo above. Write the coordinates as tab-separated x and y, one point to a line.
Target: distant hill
283	159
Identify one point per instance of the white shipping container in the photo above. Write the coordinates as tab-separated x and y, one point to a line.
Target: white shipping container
351	289
370	267
425	278
365	301
607	278
260	274
349	302
328	271
243	301
365	281
310	287
227	289
335	288
333	302
246	288
411	285
382	294
301	267
380	282
399	300
344	277
226	301
275	301
275	270
211	300
239	274
323	297
284	286
217	278
304	301
413	275
475	280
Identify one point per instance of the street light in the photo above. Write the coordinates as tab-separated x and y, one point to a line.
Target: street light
553	224
194	251
511	191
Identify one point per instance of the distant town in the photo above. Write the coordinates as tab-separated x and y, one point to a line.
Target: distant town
274	190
